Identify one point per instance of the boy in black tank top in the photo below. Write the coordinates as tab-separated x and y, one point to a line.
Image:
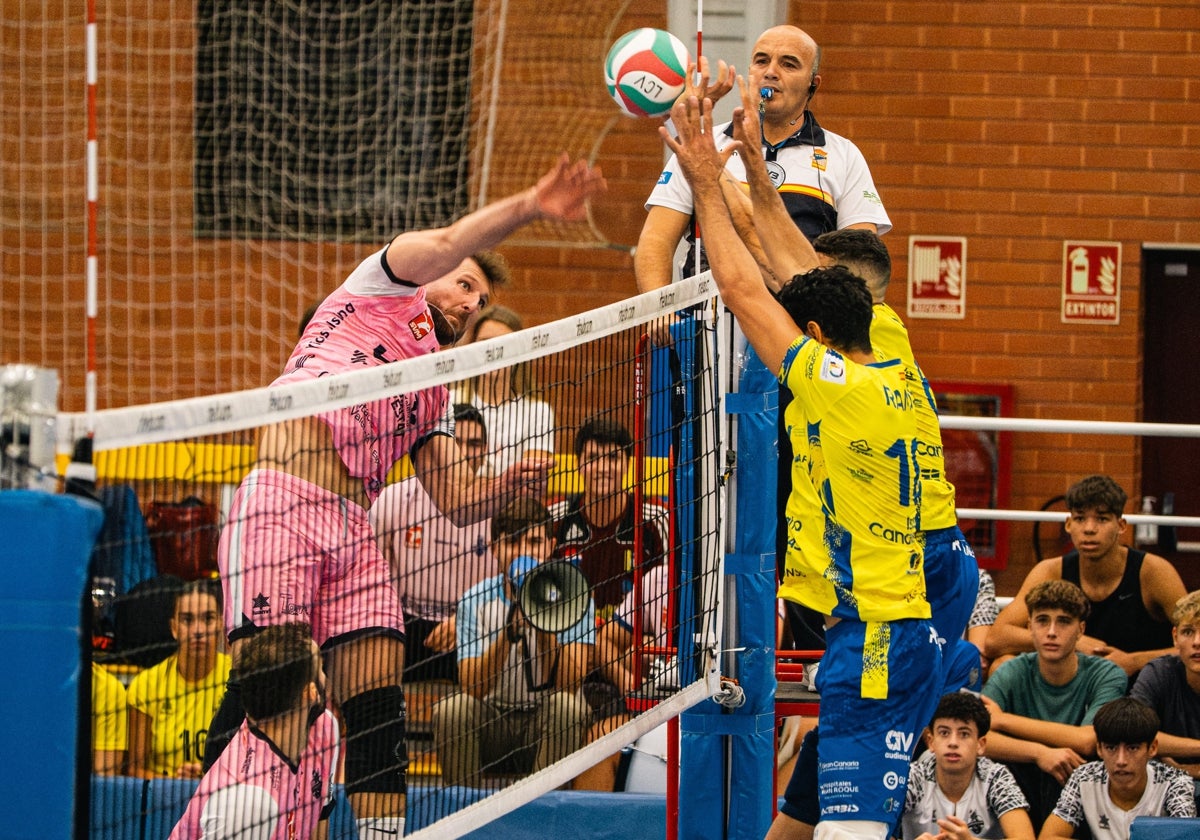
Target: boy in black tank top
1131	592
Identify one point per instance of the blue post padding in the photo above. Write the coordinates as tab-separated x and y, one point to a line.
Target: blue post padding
701	755
47	539
752	759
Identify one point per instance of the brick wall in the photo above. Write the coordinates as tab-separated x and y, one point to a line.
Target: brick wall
1016	125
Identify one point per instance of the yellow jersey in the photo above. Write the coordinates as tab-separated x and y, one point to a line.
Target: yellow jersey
179	711
853	511
889	339
110	714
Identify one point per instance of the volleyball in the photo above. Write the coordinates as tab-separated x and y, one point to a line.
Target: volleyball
645	71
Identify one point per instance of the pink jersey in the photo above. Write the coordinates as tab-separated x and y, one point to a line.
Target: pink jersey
254	792
372	319
433	561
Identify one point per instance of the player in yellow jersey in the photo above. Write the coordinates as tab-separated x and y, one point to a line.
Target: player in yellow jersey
951	572
852	514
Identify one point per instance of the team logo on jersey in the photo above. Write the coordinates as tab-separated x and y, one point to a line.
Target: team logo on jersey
575	533
778	173
261	604
422	325
316	784
412	537
819	157
664	177
862	447
833	369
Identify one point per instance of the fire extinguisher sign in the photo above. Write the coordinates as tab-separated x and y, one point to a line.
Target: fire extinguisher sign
937	277
1091	283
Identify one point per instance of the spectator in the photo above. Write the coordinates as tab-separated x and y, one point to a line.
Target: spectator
1128	782
171	703
1170	685
110	733
520	707
433	560
627	671
1131	592
953	790
274	779
596	529
519	424
1042	703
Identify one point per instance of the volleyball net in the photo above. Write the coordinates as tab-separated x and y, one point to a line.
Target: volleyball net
605	632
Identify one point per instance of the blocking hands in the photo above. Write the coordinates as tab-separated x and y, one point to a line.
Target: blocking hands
703	90
563	192
694	148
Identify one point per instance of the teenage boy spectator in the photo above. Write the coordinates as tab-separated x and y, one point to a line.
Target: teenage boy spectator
1128	782
596	529
274	779
433	560
1042	703
520	707
1170	685
1131	592
953	790
846	412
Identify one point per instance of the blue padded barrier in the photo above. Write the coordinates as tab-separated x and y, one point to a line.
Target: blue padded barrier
47	539
136	809
1164	828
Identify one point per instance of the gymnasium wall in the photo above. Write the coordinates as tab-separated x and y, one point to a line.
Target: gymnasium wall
1016	125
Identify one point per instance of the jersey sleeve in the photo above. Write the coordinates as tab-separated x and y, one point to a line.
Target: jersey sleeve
986	609
1070	802
1110	684
1150	683
472	644
1003	792
859	201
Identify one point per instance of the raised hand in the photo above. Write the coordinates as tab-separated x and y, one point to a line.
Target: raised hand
697	154
702	90
563	192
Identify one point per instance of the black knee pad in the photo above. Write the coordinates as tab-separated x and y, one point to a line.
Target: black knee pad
376	755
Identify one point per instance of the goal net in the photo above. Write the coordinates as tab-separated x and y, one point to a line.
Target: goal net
248	154
528	665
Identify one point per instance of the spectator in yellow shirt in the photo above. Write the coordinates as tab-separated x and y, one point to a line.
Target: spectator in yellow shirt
171	703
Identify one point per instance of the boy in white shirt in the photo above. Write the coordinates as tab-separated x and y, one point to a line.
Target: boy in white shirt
953	791
1127	783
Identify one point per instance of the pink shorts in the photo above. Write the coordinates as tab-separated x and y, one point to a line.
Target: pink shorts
293	551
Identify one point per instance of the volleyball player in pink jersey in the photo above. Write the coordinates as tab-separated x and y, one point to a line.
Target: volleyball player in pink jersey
298	543
274	780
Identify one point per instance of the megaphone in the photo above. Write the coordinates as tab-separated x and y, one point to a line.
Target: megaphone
554	596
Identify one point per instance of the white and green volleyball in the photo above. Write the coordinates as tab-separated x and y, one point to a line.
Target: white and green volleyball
645	71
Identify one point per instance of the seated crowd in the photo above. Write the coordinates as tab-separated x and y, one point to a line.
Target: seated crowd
1089	714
